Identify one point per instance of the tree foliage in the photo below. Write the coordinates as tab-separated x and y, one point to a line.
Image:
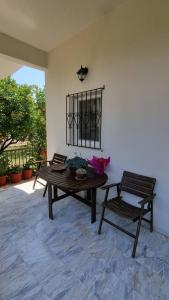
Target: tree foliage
38	134
15	112
22	115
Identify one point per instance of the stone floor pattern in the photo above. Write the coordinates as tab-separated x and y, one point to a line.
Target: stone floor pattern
41	259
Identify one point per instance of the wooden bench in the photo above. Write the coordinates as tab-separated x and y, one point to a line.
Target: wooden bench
135	184
57	159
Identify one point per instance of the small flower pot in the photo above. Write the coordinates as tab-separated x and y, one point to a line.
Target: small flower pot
2	180
27	174
15	178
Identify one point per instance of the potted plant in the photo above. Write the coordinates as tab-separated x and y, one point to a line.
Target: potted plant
81	174
4	162
27	170
15	172
99	164
76	163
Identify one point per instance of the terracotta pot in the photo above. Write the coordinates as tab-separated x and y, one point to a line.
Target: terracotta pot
2	180
27	174
15	178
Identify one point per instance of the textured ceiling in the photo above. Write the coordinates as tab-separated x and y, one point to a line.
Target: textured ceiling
47	23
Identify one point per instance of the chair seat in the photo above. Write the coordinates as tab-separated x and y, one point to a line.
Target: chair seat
123	208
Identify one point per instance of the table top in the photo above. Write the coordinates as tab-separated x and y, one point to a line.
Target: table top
65	180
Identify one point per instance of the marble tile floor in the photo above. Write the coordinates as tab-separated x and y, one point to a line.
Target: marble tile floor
41	259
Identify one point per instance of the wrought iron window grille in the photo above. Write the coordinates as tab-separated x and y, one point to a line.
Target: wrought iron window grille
84	118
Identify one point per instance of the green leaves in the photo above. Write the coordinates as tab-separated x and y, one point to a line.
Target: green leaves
38	134
76	163
22	114
4	163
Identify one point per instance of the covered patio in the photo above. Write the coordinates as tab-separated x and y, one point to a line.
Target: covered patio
67	259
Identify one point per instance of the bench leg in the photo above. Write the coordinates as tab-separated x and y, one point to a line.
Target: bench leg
137	236
44	193
36	177
151	218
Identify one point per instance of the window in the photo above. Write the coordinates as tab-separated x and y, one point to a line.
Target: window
83	119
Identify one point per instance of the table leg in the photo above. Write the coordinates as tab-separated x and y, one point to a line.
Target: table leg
50	201
93	205
55	191
88	195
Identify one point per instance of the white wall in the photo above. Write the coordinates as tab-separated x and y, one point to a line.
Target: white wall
128	51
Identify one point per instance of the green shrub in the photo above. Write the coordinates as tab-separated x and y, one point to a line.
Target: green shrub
76	163
4	164
28	165
15	169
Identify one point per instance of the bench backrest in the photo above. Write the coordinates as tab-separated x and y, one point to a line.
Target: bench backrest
136	184
58	159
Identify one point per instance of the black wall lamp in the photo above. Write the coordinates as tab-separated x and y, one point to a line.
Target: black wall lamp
82	73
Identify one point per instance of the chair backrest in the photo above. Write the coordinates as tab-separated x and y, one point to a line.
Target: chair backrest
139	185
58	159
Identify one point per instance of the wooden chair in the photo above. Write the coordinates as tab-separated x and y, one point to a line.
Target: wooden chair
138	185
57	159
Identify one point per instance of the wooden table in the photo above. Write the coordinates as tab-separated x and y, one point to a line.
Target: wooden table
66	182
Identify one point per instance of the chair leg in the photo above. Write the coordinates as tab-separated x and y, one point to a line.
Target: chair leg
101	220
151	218
135	219
44	193
137	236
36	177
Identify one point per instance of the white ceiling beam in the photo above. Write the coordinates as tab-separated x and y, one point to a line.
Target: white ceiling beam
19	50
7	66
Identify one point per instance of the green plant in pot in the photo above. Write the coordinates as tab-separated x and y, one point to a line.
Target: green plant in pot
15	173
4	163
27	169
76	163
